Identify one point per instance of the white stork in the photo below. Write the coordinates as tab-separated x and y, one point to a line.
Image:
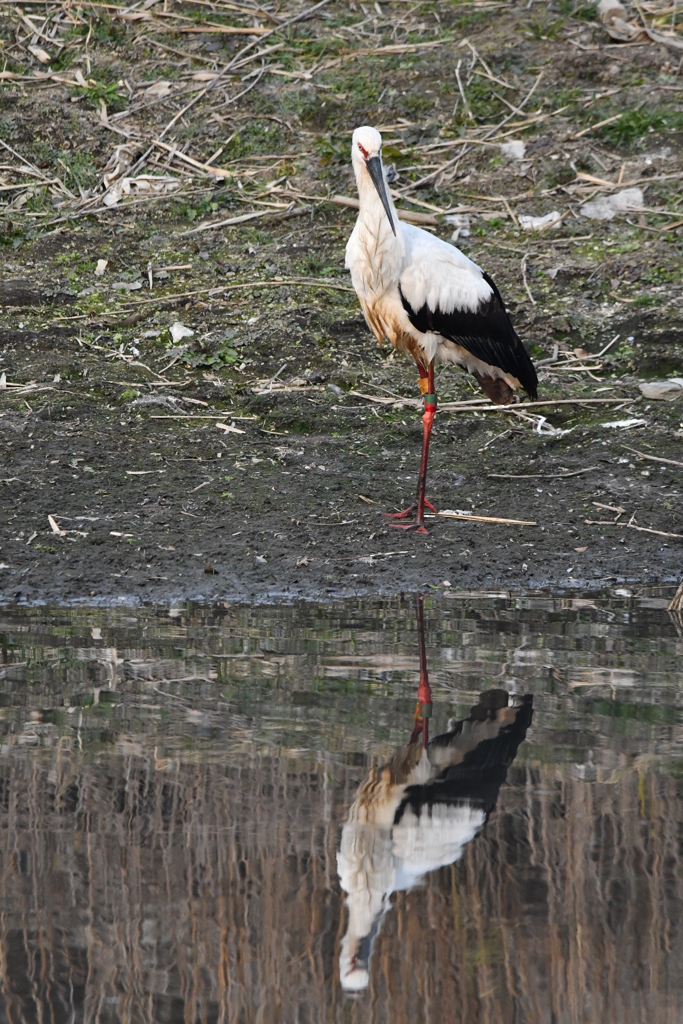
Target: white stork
429	300
417	813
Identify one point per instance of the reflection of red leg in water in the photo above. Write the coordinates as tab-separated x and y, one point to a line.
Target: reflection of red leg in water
423	711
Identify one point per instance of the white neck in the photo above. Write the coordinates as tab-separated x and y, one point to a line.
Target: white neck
383	250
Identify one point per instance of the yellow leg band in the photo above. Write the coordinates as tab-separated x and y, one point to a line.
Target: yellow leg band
424	384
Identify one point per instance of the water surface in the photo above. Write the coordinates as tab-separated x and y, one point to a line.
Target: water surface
176	785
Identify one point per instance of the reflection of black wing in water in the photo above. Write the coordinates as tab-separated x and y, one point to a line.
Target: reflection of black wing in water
476	753
417	813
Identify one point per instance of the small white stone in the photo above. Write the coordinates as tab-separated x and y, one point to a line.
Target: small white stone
179	331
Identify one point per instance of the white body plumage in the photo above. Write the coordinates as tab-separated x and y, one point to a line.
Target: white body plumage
386	260
377	858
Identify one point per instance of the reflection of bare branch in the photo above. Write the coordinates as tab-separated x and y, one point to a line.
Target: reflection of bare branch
677	600
676	610
151	876
208	887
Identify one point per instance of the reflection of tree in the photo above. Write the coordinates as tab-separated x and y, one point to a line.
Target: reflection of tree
417	813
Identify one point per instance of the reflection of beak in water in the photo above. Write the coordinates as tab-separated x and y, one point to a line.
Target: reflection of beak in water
417	813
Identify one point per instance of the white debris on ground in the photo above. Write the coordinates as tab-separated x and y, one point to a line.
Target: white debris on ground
179	331
543	427
118	163
147	184
629	200
159	90
629	24
625	424
663	390
40	54
101	267
549	220
203	76
461	223
126	286
118	183
615	20
513	150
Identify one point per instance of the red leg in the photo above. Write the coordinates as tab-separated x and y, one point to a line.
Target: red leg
427	386
423	711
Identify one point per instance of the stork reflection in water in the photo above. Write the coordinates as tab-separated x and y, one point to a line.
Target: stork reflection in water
417	812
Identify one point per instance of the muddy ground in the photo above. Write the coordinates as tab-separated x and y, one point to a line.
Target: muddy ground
112	428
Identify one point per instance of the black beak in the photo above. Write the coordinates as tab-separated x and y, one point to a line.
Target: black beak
374	166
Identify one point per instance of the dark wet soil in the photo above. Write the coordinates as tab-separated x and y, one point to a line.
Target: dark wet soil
157	504
100	424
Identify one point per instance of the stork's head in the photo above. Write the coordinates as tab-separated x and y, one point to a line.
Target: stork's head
354	958
366	156
354	973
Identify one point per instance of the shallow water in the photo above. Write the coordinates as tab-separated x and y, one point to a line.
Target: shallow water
176	785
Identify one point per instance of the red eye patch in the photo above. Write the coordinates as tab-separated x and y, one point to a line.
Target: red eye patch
363	151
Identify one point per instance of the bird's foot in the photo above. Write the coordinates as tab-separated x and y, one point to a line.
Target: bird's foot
417	526
418	523
408	511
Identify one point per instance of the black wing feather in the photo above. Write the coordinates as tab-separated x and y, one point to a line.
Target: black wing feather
488	334
477	779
